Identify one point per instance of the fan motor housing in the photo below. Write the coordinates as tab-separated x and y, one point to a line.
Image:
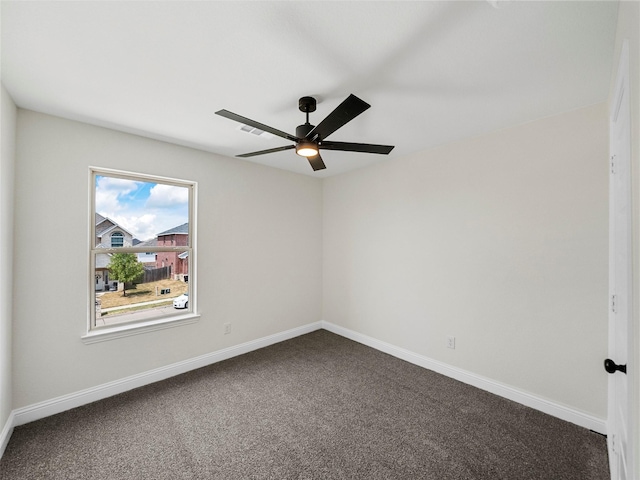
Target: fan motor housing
303	130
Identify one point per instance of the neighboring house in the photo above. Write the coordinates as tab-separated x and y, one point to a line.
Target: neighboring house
108	234
179	262
148	259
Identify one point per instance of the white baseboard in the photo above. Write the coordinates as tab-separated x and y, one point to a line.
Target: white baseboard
5	435
60	404
525	398
44	409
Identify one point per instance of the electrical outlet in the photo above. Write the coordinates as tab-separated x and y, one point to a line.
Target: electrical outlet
451	342
227	328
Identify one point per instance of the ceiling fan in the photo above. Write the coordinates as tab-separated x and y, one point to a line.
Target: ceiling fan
310	139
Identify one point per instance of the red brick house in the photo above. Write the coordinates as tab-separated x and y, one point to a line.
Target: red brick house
178	261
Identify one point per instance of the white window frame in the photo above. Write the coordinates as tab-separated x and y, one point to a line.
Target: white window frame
102	333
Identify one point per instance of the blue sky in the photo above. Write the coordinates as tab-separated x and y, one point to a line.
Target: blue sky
143	208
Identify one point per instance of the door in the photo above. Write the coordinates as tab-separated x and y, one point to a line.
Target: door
620	277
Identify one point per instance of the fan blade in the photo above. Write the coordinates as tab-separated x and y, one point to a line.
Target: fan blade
262	152
343	114
247	121
357	147
316	163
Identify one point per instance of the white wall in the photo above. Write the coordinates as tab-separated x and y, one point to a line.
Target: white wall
259	257
629	28
499	240
7	162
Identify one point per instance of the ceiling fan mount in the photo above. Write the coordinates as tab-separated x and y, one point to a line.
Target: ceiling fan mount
307	104
310	139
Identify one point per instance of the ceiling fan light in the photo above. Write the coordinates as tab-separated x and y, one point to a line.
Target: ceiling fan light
307	149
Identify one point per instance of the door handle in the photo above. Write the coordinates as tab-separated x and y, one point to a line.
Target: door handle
611	367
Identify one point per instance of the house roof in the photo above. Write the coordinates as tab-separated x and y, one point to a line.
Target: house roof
179	230
105	225
148	243
102	224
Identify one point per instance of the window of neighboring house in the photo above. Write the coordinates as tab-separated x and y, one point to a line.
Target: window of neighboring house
135	288
117	240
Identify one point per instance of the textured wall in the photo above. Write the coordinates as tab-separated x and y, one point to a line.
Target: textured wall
259	242
499	240
7	162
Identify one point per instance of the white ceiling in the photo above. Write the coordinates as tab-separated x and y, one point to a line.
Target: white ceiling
434	72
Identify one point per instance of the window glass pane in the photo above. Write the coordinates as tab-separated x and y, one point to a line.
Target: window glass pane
136	213
117	239
142	252
151	294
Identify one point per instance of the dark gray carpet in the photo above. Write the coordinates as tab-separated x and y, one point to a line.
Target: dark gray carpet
315	407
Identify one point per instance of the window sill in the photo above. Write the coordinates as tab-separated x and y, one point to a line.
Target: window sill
105	334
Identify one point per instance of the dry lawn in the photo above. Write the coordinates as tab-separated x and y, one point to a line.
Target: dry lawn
144	292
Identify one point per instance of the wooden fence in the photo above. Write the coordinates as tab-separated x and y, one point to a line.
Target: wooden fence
155	274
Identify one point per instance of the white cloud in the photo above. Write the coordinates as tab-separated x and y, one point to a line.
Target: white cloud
144	209
142	227
109	192
163	196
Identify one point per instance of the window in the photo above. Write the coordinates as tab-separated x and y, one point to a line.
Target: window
117	240
142	258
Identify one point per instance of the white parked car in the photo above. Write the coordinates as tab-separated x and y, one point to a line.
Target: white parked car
182	301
